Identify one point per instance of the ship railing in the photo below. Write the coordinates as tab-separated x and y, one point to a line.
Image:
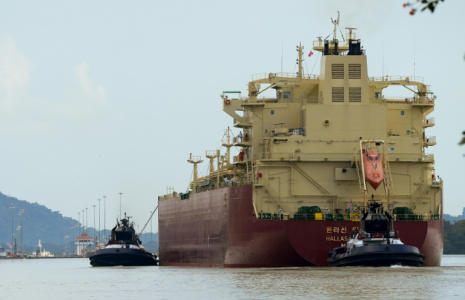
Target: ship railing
240	158
428	157
376	100
307	156
238	182
282	74
211	186
406	100
430	96
245	121
428	121
417	217
399	100
339	156
430	140
436	182
313	100
343	217
169	196
244	99
396	78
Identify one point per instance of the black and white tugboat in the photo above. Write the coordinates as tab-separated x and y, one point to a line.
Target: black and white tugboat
375	244
123	249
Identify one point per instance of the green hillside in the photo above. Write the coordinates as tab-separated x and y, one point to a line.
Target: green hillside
51	227
38	221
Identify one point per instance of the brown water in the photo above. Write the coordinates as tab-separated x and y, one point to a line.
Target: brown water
76	279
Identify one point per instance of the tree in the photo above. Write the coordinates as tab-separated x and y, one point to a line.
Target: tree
424	5
454	237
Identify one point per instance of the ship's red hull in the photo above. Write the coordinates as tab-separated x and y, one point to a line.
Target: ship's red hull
219	229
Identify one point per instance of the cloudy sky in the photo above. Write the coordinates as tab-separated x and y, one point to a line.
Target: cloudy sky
103	97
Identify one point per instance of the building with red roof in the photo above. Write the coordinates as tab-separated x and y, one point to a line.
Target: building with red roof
83	243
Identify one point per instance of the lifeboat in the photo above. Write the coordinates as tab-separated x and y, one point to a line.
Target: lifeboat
373	167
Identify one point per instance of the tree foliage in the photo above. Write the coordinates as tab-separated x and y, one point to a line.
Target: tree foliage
423	5
454	237
39	222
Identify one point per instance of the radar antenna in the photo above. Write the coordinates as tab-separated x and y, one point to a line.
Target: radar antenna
350	32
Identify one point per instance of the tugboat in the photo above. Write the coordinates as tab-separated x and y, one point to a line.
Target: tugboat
123	249
376	244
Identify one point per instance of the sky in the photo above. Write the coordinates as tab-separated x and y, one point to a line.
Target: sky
106	97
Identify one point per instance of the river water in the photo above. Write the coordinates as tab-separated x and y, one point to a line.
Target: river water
74	278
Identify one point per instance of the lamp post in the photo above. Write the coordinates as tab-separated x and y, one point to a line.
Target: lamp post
79	223
12	234
94	225
83	222
99	220
69	241
151	242
87	220
104	215
21	213
78	227
120	215
64	249
17	249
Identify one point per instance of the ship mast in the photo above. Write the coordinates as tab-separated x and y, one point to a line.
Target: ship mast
335	22
211	155
299	61
195	160
228	146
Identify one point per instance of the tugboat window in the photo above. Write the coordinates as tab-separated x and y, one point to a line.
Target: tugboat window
287	95
402	112
272	112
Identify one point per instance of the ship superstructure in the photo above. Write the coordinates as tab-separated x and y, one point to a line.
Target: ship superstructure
304	154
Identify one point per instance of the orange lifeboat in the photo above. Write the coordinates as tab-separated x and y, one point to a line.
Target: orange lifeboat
374	173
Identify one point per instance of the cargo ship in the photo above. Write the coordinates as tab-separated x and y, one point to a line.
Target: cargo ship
304	170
